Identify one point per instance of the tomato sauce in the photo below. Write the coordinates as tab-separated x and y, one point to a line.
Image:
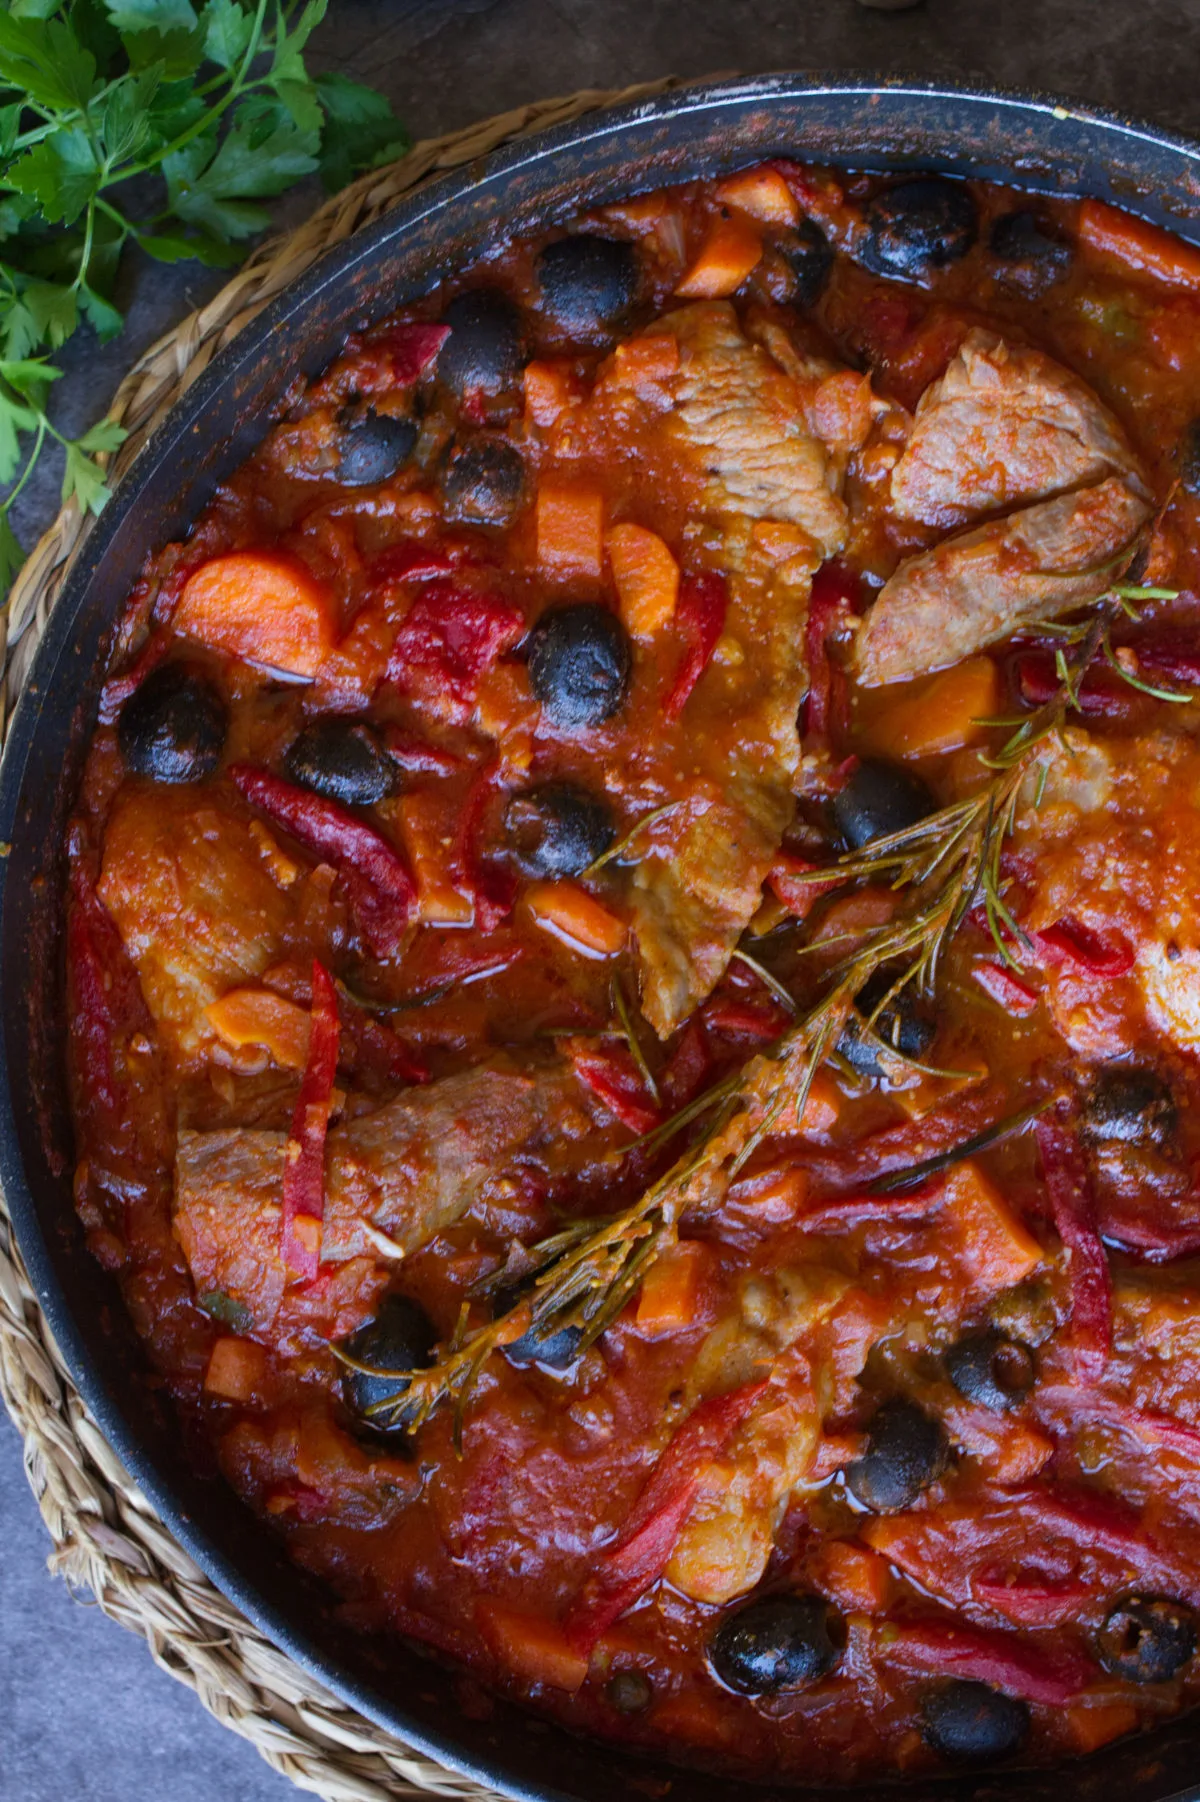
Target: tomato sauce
505	818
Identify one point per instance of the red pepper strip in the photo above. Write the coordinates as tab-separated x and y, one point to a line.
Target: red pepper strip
1144	1424
304	1165
688	1067
746	1019
1070	942
118	689
952	1650
847	1211
700	616
378	885
493	888
1006	990
611	1074
1156	1243
1174	656
1098	1523
1073	1207
416	756
832	604
797	896
412	349
448	640
94	952
641	1552
896	1148
1030	1600
1102	694
378	1045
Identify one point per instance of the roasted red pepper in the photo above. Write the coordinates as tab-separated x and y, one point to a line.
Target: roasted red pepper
493	888
1070	942
700	617
1008	991
1030	1598
304	1162
411	349
376	878
641	1552
985	1656
1073	1208
759	1020
847	1211
1102	694
832	608
448	640
608	1070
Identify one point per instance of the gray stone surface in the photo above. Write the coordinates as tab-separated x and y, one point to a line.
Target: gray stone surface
84	1713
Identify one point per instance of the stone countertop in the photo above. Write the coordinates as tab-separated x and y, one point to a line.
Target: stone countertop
84	1711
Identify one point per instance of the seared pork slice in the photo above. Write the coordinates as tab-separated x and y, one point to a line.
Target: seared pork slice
740	419
977	588
1004	426
188	884
393	1179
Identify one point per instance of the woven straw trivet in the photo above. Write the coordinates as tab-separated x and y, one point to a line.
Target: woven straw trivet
106	1536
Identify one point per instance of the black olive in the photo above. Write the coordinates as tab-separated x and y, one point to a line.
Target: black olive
579	663
1028	253
880	798
483	482
989	1368
172	728
973	1724
905	1453
373	447
629	1692
809	255
401	1337
902	1024
1130	1104
1146	1639
558	829
556	1347
485	350
780	1642
1189	461
342	760
588	283
919	226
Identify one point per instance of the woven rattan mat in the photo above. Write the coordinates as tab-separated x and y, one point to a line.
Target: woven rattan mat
107	1538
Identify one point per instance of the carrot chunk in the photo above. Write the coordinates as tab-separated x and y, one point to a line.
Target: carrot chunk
942	715
430	846
728	254
570	913
260	1017
646	575
262	606
534	1647
854	1576
643	362
1142	247
671	1290
763	194
548	391
570	530
1091	1725
991	1242
236	1370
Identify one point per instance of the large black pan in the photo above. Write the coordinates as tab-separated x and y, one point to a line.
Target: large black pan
856	122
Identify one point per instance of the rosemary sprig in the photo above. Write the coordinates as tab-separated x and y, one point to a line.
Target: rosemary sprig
617	852
586	1273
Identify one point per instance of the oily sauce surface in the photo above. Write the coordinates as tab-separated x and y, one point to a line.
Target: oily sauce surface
654	552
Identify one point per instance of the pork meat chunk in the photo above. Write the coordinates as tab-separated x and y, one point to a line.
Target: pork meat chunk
393	1179
977	588
1004	426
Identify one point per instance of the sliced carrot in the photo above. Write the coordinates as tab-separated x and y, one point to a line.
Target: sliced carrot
1091	1725
547	391
534	1647
260	1017
263	606
646	575
763	194
854	1576
943	714
570	529
570	913
671	1290
644	361
726	258
1141	247
990	1242
236	1371
429	840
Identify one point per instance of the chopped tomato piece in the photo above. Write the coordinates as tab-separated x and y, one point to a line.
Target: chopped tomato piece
700	615
447	640
611	1074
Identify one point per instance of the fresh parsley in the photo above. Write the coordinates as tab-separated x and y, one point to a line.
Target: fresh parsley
158	122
